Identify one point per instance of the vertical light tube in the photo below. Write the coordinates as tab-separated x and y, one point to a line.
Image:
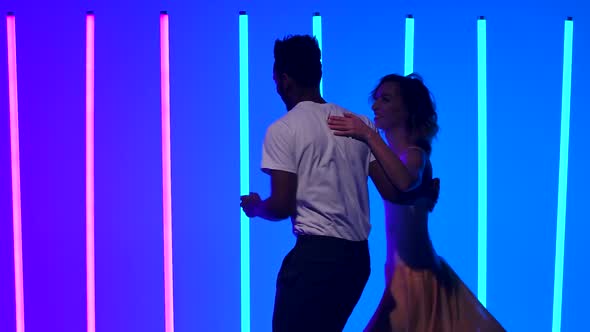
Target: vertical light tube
563	169
15	173
317	33
90	279
244	173
409	46
166	169
482	161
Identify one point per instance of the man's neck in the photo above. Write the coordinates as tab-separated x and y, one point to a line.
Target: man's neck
310	95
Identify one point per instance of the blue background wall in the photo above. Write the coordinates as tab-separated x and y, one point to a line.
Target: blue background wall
362	42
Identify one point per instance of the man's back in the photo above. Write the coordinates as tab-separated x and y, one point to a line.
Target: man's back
332	171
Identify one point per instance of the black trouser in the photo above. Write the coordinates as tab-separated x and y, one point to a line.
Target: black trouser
319	284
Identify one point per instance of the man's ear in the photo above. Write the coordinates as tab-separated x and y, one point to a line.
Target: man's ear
287	81
282	81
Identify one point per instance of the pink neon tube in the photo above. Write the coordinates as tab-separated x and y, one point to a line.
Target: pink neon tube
15	170
166	169
90	281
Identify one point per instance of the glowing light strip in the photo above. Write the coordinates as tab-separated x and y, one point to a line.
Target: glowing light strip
482	161
15	171
244	173
317	32
409	46
90	279
563	168
166	169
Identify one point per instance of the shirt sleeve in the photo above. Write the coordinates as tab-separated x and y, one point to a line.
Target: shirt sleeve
278	149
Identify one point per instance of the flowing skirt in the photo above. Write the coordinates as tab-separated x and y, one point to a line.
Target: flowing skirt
429	300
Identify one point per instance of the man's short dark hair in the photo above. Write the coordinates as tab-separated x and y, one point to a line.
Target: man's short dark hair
299	57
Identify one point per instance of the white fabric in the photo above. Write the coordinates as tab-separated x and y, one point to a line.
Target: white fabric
332	171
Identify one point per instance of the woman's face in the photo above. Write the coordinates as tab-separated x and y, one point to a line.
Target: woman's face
388	107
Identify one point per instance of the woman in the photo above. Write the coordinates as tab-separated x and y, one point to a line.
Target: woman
423	293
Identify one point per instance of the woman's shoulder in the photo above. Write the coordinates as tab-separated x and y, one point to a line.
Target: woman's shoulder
423	145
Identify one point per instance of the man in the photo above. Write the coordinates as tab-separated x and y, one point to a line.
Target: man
319	180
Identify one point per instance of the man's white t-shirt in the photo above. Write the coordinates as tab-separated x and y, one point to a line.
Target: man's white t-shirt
332	171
